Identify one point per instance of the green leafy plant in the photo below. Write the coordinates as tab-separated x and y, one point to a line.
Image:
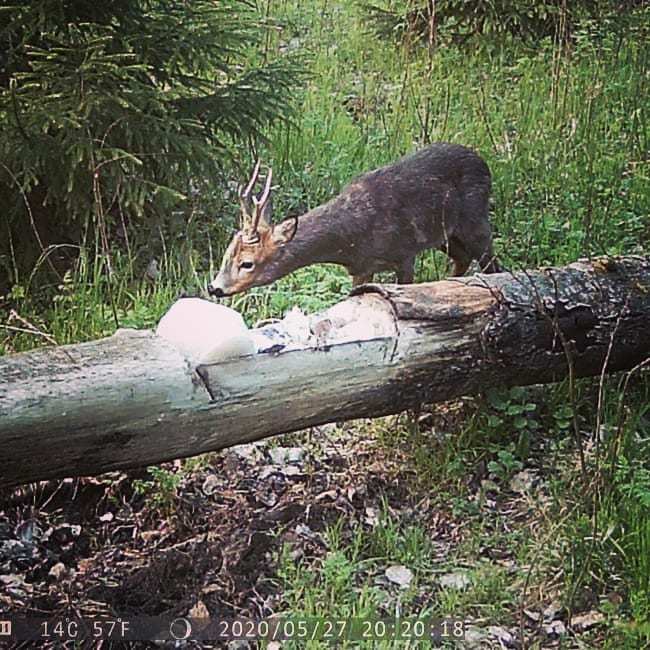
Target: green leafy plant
513	412
506	464
161	489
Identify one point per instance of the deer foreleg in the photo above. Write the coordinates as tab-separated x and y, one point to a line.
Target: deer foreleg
406	271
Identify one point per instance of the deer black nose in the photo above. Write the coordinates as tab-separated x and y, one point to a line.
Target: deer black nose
217	292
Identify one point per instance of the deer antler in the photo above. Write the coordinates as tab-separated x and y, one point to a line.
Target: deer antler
245	197
260	203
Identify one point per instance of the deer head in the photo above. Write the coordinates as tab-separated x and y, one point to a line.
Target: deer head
252	256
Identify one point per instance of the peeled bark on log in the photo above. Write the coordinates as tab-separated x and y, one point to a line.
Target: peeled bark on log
132	399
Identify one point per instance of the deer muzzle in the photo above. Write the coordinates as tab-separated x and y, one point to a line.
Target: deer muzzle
218	287
217	292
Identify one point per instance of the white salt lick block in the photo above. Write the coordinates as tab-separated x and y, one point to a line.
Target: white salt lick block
205	332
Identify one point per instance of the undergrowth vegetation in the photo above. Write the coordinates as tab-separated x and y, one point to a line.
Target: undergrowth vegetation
563	127
115	116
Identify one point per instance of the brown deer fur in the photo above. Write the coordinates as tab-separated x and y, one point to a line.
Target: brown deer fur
435	198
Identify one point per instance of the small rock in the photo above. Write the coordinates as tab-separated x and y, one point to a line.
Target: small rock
501	634
305	531
238	644
16	585
210	485
327	429
556	628
28	530
273	645
269	500
400	575
152	272
296	554
474	637
278	455
293	44
284	455
615	598
459	580
295	454
605	432
106	517
16	551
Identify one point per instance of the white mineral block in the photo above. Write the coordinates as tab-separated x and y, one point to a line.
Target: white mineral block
206	332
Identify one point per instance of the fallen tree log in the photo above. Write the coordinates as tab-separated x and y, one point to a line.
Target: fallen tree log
132	399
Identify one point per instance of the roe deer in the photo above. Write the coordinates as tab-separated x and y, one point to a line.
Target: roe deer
434	198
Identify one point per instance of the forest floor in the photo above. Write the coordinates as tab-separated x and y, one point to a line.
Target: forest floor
334	523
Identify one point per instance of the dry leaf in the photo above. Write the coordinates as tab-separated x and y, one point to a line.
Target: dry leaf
587	620
199	611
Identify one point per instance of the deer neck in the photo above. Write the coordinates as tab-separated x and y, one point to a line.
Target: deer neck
317	240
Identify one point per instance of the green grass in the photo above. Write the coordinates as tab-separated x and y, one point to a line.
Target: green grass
565	145
566	138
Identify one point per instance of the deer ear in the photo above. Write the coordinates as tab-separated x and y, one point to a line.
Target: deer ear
284	232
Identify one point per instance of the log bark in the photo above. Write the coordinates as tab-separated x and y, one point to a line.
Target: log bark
132	399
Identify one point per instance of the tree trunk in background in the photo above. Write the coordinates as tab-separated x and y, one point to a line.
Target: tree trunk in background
132	399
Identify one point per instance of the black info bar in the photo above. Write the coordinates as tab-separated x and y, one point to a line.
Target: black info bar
170	628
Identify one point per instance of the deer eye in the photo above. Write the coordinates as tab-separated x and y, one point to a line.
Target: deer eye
246	266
